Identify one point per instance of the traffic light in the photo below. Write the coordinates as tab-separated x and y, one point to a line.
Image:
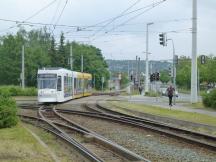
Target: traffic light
162	39
151	78
203	59
170	72
157	76
131	77
154	77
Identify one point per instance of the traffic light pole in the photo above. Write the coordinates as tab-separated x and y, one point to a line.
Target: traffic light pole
147	63
23	67
174	69
194	98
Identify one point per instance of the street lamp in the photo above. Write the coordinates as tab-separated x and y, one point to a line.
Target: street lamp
174	67
147	66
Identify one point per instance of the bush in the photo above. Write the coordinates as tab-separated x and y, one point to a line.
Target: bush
17	91
153	94
209	100
8	110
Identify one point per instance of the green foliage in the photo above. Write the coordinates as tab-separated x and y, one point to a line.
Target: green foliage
153	94
164	76
17	91
207	71
41	51
183	72
124	80
8	110
209	100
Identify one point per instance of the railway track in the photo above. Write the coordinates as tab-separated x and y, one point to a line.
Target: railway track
90	144
97	111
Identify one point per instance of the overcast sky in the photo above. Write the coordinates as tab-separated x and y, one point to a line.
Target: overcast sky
121	38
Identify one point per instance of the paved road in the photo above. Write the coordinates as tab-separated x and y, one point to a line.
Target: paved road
163	103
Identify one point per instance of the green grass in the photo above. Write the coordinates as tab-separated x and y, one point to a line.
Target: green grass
18	145
17	91
195	105
181	115
199	105
21	98
63	153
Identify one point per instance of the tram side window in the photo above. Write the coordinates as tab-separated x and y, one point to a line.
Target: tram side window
59	83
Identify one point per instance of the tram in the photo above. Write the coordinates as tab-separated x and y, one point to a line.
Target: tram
60	85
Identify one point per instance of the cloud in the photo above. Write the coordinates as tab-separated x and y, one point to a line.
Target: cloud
125	41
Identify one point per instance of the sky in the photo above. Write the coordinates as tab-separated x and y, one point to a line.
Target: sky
118	27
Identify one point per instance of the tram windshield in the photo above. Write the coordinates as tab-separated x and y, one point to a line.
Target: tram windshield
47	81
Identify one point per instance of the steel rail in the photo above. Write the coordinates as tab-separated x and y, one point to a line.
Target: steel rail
157	127
114	147
91	156
58	134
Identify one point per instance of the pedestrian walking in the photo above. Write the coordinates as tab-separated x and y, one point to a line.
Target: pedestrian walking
140	90
170	92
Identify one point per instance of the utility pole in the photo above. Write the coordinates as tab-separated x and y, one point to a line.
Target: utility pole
147	66
82	63
23	67
136	69
71	57
139	72
128	69
94	81
174	69
194	98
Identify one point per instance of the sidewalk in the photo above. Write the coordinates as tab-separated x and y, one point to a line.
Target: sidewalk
163	103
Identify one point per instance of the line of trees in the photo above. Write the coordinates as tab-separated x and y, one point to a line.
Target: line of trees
206	72
42	50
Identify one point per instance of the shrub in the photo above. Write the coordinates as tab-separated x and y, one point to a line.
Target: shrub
17	91
209	100
8	110
153	94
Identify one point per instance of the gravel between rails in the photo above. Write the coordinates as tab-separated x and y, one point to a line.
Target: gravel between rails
146	143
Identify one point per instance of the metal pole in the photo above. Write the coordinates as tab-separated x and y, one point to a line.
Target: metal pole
102	83
23	67
136	69
147	66
94	81
139	72
194	98
82	63
174	71
128	69
198	80
71	58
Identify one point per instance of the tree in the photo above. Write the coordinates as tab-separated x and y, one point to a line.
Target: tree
164	76
53	53
62	56
41	51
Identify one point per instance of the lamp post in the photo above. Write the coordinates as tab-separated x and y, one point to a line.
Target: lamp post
174	68
147	66
194	97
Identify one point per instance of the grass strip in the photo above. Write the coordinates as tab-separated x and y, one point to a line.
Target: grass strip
154	110
17	144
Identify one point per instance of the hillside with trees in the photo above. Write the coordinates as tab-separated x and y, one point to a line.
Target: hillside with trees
43	50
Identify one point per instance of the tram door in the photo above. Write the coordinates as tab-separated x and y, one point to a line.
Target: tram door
60	92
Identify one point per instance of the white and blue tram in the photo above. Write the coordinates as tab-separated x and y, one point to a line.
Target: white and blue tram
59	85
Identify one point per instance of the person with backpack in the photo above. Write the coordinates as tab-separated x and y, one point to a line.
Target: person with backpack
170	92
